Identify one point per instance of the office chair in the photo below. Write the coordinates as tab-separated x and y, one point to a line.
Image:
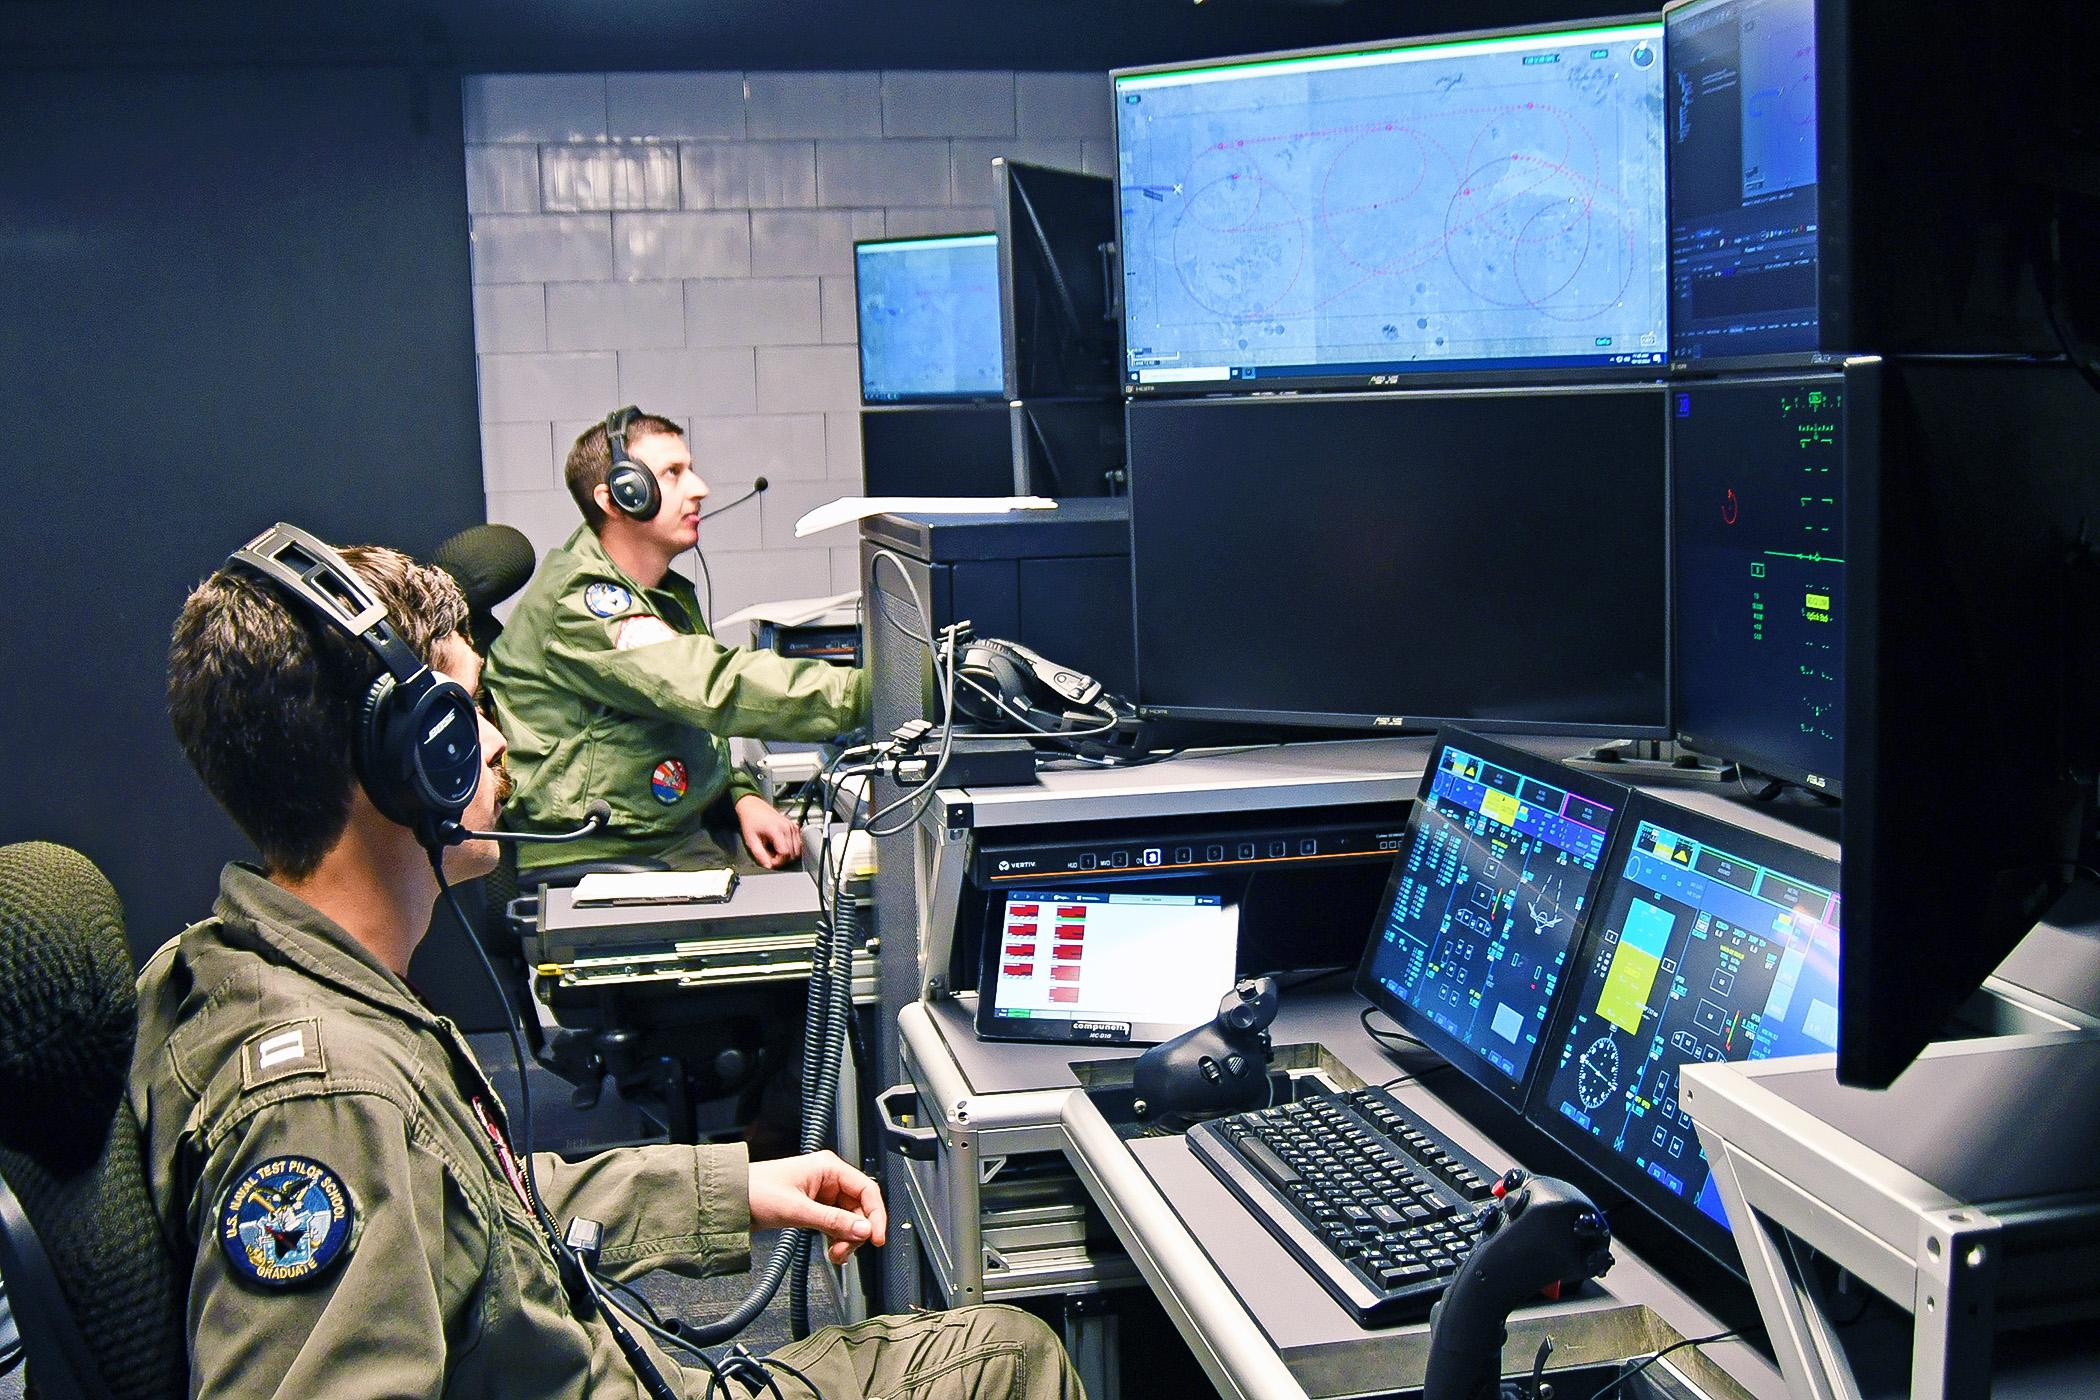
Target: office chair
663	1075
95	1291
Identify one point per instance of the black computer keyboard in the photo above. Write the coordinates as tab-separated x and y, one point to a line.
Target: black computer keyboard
1377	1206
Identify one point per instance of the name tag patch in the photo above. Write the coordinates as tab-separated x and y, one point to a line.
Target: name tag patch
286	1222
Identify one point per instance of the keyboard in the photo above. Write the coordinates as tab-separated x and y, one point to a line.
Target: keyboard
1376	1206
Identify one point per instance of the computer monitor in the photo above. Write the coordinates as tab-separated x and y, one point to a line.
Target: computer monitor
1707	942
1056	230
1844	178
1498	870
939	449
1488	203
1751	203
929	319
1496	558
1972	689
1757	467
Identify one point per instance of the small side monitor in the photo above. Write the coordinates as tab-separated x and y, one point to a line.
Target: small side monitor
929	319
1497	873
1057	232
1708	943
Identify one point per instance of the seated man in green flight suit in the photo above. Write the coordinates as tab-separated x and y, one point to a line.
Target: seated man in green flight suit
609	684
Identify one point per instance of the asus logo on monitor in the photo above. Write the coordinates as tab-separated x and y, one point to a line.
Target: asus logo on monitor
1390	722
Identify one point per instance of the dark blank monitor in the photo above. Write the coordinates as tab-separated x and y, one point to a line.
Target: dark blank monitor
1707	943
1758	475
937	450
1749	214
929	319
1470	203
1053	228
1493	557
1486	903
1972	690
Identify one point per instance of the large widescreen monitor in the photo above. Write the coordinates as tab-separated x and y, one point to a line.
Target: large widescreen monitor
1496	558
1751	215
929	319
1707	942
1496	876
1757	469
1489	203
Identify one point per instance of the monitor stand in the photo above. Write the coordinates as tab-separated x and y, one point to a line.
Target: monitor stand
1653	761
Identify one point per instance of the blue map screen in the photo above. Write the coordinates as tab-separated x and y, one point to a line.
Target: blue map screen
929	319
1487	203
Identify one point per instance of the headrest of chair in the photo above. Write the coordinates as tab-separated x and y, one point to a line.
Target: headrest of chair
68	1004
490	563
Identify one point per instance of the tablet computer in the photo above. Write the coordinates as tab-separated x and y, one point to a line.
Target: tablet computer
1106	965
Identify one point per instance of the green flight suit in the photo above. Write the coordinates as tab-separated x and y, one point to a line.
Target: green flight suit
267	1034
605	689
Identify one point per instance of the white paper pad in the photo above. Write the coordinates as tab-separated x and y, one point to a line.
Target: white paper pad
657	887
849	508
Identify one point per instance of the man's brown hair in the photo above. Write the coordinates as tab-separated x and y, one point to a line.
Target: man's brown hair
590	461
266	699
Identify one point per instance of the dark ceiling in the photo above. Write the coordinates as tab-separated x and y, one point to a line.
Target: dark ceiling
647	35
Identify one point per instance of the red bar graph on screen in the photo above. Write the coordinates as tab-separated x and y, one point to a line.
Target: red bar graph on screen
1064	994
1075	932
1070	951
1020	950
1020	969
1065	972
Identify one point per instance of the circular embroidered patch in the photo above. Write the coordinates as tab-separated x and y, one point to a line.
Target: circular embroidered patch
286	1222
668	781
607	599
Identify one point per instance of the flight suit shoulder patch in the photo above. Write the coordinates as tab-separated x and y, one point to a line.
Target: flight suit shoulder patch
641	630
286	1221
602	599
284	1050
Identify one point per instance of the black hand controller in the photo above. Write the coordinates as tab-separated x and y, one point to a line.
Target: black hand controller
1219	1067
1540	1233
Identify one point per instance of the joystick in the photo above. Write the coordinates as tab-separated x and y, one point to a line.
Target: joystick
1219	1067
1538	1234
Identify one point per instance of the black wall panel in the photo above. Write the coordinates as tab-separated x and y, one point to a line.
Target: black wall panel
227	297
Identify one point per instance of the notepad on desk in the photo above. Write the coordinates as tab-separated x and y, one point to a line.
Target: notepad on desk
657	887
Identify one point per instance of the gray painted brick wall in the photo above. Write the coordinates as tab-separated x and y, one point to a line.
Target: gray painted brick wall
684	241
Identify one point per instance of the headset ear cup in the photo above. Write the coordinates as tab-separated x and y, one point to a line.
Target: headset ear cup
375	753
634	491
416	763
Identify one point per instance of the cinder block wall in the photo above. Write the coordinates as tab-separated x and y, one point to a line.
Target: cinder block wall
684	241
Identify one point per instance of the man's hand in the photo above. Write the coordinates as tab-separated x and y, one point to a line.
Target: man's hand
819	1192
772	839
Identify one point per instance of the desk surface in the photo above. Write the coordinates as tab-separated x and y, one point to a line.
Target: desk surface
1261	1325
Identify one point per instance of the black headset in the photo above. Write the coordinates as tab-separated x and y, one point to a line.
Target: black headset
417	745
632	486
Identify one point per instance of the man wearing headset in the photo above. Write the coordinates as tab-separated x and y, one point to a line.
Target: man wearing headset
611	687
324	1149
